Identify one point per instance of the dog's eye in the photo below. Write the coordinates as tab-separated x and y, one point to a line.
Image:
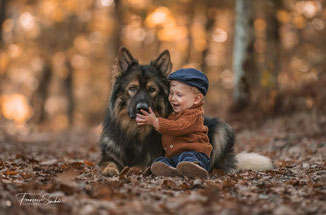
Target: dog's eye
133	89
151	89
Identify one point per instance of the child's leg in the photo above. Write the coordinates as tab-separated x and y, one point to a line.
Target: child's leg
195	157
165	160
163	166
193	164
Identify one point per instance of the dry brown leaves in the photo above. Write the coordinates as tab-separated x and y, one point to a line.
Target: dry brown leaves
60	171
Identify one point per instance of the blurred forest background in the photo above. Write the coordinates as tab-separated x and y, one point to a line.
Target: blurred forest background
56	56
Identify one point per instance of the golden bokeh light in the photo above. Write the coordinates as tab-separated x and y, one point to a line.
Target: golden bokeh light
8	25
289	40
80	62
106	3
14	51
27	21
318	24
52	11
170	33
139	4
260	25
283	16
59	122
220	35
227	79
299	22
159	16
3	62
200	44
308	8
260	46
100	22
15	107
82	45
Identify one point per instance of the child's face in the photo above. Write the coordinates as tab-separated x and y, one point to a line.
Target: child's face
182	96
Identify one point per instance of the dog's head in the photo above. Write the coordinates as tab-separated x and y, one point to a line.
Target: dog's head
138	87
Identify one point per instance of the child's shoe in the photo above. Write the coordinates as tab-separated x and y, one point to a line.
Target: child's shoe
162	169
191	170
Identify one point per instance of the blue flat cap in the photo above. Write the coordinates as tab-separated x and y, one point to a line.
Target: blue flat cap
191	77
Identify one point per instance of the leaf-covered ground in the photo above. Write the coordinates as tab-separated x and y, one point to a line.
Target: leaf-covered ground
56	173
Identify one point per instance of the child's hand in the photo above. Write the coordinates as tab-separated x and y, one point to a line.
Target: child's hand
147	118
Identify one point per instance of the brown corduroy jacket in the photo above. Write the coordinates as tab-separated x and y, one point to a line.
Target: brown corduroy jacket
185	131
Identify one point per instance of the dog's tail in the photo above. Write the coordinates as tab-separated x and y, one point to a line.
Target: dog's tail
222	138
253	161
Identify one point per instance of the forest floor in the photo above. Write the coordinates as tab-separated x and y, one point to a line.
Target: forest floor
56	173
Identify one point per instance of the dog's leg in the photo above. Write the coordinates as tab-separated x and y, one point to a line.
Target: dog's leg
111	162
109	168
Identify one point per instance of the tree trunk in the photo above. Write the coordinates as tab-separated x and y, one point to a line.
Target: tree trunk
3	4
41	94
191	13
208	27
116	37
244	66
68	83
115	42
272	59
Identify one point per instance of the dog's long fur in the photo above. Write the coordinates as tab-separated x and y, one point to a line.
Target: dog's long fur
124	143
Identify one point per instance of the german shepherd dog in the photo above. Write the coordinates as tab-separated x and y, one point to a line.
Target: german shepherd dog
124	143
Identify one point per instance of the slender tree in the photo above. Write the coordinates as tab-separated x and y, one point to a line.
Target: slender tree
190	12
68	83
210	21
272	59
244	65
3	5
118	24
41	93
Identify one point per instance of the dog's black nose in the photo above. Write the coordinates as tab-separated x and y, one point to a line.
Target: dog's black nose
142	105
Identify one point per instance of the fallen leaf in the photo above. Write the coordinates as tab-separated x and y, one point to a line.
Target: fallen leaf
88	163
168	184
67	177
10	172
123	173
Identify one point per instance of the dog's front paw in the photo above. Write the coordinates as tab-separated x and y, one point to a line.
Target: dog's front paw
110	169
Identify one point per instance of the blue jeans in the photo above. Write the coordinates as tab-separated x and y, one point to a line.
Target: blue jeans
199	157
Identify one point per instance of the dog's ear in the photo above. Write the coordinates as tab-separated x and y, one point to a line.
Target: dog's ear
125	59
163	62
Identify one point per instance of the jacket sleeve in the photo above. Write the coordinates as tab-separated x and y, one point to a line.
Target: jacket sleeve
184	125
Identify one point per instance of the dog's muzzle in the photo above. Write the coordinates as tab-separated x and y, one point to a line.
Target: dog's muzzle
142	106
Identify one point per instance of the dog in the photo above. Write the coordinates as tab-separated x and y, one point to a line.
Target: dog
124	143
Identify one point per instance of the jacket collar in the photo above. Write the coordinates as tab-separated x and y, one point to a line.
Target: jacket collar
198	106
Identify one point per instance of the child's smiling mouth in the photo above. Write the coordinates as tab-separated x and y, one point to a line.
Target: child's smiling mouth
175	106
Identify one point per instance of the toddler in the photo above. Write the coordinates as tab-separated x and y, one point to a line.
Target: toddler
184	135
